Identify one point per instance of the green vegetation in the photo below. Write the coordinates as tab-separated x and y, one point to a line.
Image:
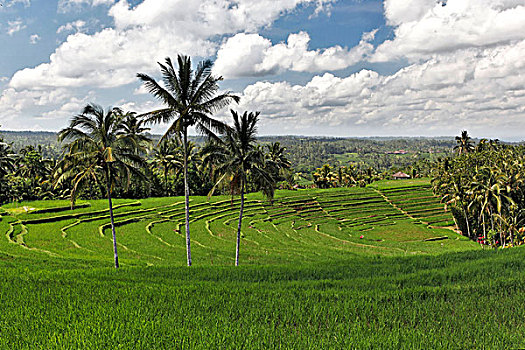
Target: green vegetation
485	188
445	301
358	262
297	226
381	154
309	280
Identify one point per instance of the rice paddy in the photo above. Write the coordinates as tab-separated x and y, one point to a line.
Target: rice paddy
374	267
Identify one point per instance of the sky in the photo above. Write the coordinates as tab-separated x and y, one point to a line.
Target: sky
311	67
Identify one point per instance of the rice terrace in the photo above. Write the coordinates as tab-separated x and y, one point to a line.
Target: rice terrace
239	174
337	268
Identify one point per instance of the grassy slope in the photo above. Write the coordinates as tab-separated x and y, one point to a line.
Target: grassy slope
309	280
455	300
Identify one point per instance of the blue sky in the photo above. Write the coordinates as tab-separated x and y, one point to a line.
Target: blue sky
312	67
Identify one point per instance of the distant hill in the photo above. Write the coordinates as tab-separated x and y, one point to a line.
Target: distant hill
306	153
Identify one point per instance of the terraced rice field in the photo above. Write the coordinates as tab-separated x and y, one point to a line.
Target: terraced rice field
355	268
297	226
418	202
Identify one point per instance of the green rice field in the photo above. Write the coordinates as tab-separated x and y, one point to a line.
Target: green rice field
373	267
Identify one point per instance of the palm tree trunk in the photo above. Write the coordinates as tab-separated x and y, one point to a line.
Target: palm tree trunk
187	196
239	227
112	220
484	229
166	182
466	221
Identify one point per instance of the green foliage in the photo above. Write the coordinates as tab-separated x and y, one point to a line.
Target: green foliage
306	154
486	189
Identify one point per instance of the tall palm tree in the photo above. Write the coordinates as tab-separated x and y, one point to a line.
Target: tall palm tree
191	98
238	159
98	148
464	143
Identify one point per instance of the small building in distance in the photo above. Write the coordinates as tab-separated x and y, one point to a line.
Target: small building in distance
400	176
401	151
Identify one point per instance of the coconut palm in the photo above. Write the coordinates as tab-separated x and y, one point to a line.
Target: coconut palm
98	150
464	143
277	161
237	159
190	98
277	157
134	132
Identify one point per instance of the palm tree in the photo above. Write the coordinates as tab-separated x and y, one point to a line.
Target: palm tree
238	159
324	177
276	155
167	157
98	148
276	161
7	159
191	97
464	143
134	133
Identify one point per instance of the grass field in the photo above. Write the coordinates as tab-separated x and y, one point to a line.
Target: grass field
375	267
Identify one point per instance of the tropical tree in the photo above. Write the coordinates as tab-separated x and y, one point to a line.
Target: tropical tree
7	166
168	158
464	143
33	166
485	191
7	159
190	98
278	163
276	156
324	177
135	133
238	160
98	149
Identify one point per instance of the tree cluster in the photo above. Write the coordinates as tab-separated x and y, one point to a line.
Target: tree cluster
484	188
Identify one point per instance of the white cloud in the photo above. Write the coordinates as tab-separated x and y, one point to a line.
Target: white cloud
467	68
15	104
142	35
15	26
33	39
477	89
146	34
426	27
253	55
75	26
68	5
71	107
204	18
